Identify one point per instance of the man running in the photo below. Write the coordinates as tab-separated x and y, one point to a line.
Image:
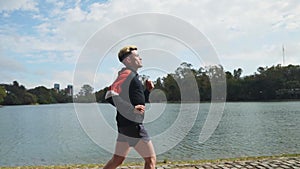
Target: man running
127	94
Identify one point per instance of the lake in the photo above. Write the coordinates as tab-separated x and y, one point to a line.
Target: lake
57	134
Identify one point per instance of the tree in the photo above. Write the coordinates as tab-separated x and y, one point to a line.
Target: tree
100	95
17	94
29	98
43	95
158	84
185	69
61	96
237	73
15	83
2	94
261	70
11	99
85	94
87	90
172	88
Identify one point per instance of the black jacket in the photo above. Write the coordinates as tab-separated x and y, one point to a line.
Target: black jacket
126	92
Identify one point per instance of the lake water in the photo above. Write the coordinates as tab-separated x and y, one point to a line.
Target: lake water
52	134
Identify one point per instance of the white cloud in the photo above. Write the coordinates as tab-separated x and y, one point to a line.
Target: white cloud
45	28
9	65
245	34
75	15
12	5
98	11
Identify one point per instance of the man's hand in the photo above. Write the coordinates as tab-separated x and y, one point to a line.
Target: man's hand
139	109
149	85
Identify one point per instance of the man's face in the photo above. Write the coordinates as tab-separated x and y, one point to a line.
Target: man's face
135	59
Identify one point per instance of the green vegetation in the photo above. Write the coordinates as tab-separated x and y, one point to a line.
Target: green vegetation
48	96
18	95
85	95
274	83
267	84
2	94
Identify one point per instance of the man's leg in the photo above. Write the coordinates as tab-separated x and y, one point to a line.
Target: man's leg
121	151
146	150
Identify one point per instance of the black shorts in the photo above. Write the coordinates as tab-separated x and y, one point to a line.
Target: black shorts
132	134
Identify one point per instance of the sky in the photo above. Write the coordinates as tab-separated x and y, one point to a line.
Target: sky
43	42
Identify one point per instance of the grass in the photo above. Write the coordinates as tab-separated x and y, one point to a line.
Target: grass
166	161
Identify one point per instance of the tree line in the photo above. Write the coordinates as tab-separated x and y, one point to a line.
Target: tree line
16	94
267	84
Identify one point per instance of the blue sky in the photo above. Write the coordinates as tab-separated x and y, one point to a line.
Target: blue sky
41	40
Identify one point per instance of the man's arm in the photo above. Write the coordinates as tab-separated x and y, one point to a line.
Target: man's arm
112	96
149	87
125	107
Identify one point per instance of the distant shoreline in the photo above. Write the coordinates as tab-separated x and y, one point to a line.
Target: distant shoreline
172	102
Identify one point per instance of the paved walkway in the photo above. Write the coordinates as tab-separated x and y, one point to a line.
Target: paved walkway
270	163
261	163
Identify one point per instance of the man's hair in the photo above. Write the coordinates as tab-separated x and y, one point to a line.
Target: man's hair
126	51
